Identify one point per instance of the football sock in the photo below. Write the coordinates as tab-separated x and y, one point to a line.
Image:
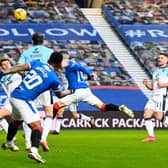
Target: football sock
149	126
46	127
4	124
84	117
34	150
58	124
27	134
109	107
36	136
12	130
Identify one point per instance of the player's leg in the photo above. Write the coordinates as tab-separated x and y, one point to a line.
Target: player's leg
47	126
12	129
59	106
5	111
27	112
81	116
27	136
59	118
31	116
149	125
46	100
69	100
91	99
4	124
35	141
164	116
154	107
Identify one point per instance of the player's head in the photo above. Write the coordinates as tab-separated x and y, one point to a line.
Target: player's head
65	59
4	62
162	59
56	60
37	39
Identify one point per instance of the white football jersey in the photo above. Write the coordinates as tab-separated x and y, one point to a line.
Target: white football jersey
161	74
10	82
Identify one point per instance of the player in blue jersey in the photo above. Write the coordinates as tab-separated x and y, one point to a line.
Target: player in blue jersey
74	73
72	108
39	78
39	52
158	102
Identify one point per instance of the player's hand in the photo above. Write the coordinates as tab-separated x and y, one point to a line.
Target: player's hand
145	81
94	76
1	73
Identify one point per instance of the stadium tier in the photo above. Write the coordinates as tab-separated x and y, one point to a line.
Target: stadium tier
67	29
65	11
142	25
137	12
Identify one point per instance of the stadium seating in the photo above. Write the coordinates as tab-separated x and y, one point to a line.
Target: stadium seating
138	12
67	29
138	23
43	11
94	54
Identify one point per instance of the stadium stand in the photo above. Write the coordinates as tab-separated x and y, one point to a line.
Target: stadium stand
43	11
138	12
56	19
94	54
142	25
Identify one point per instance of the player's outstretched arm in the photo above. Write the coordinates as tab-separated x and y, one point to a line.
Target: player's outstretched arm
61	94
17	68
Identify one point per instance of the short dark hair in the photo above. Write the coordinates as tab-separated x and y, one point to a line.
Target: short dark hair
3	58
37	38
55	58
163	53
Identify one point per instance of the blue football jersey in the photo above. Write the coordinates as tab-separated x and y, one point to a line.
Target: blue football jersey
36	53
39	78
76	75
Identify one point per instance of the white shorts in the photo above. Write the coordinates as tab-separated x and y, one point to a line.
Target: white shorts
44	99
81	95
157	103
24	111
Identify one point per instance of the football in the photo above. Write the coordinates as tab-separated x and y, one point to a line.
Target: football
20	14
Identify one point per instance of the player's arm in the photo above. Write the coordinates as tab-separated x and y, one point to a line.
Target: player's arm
88	72
17	68
162	85
85	70
149	85
59	91
61	94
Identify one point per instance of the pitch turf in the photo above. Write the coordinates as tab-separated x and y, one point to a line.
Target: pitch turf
94	149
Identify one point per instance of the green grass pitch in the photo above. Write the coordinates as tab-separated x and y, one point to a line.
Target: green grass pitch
93	149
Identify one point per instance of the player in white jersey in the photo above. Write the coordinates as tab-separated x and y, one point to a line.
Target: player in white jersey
158	102
39	52
9	83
